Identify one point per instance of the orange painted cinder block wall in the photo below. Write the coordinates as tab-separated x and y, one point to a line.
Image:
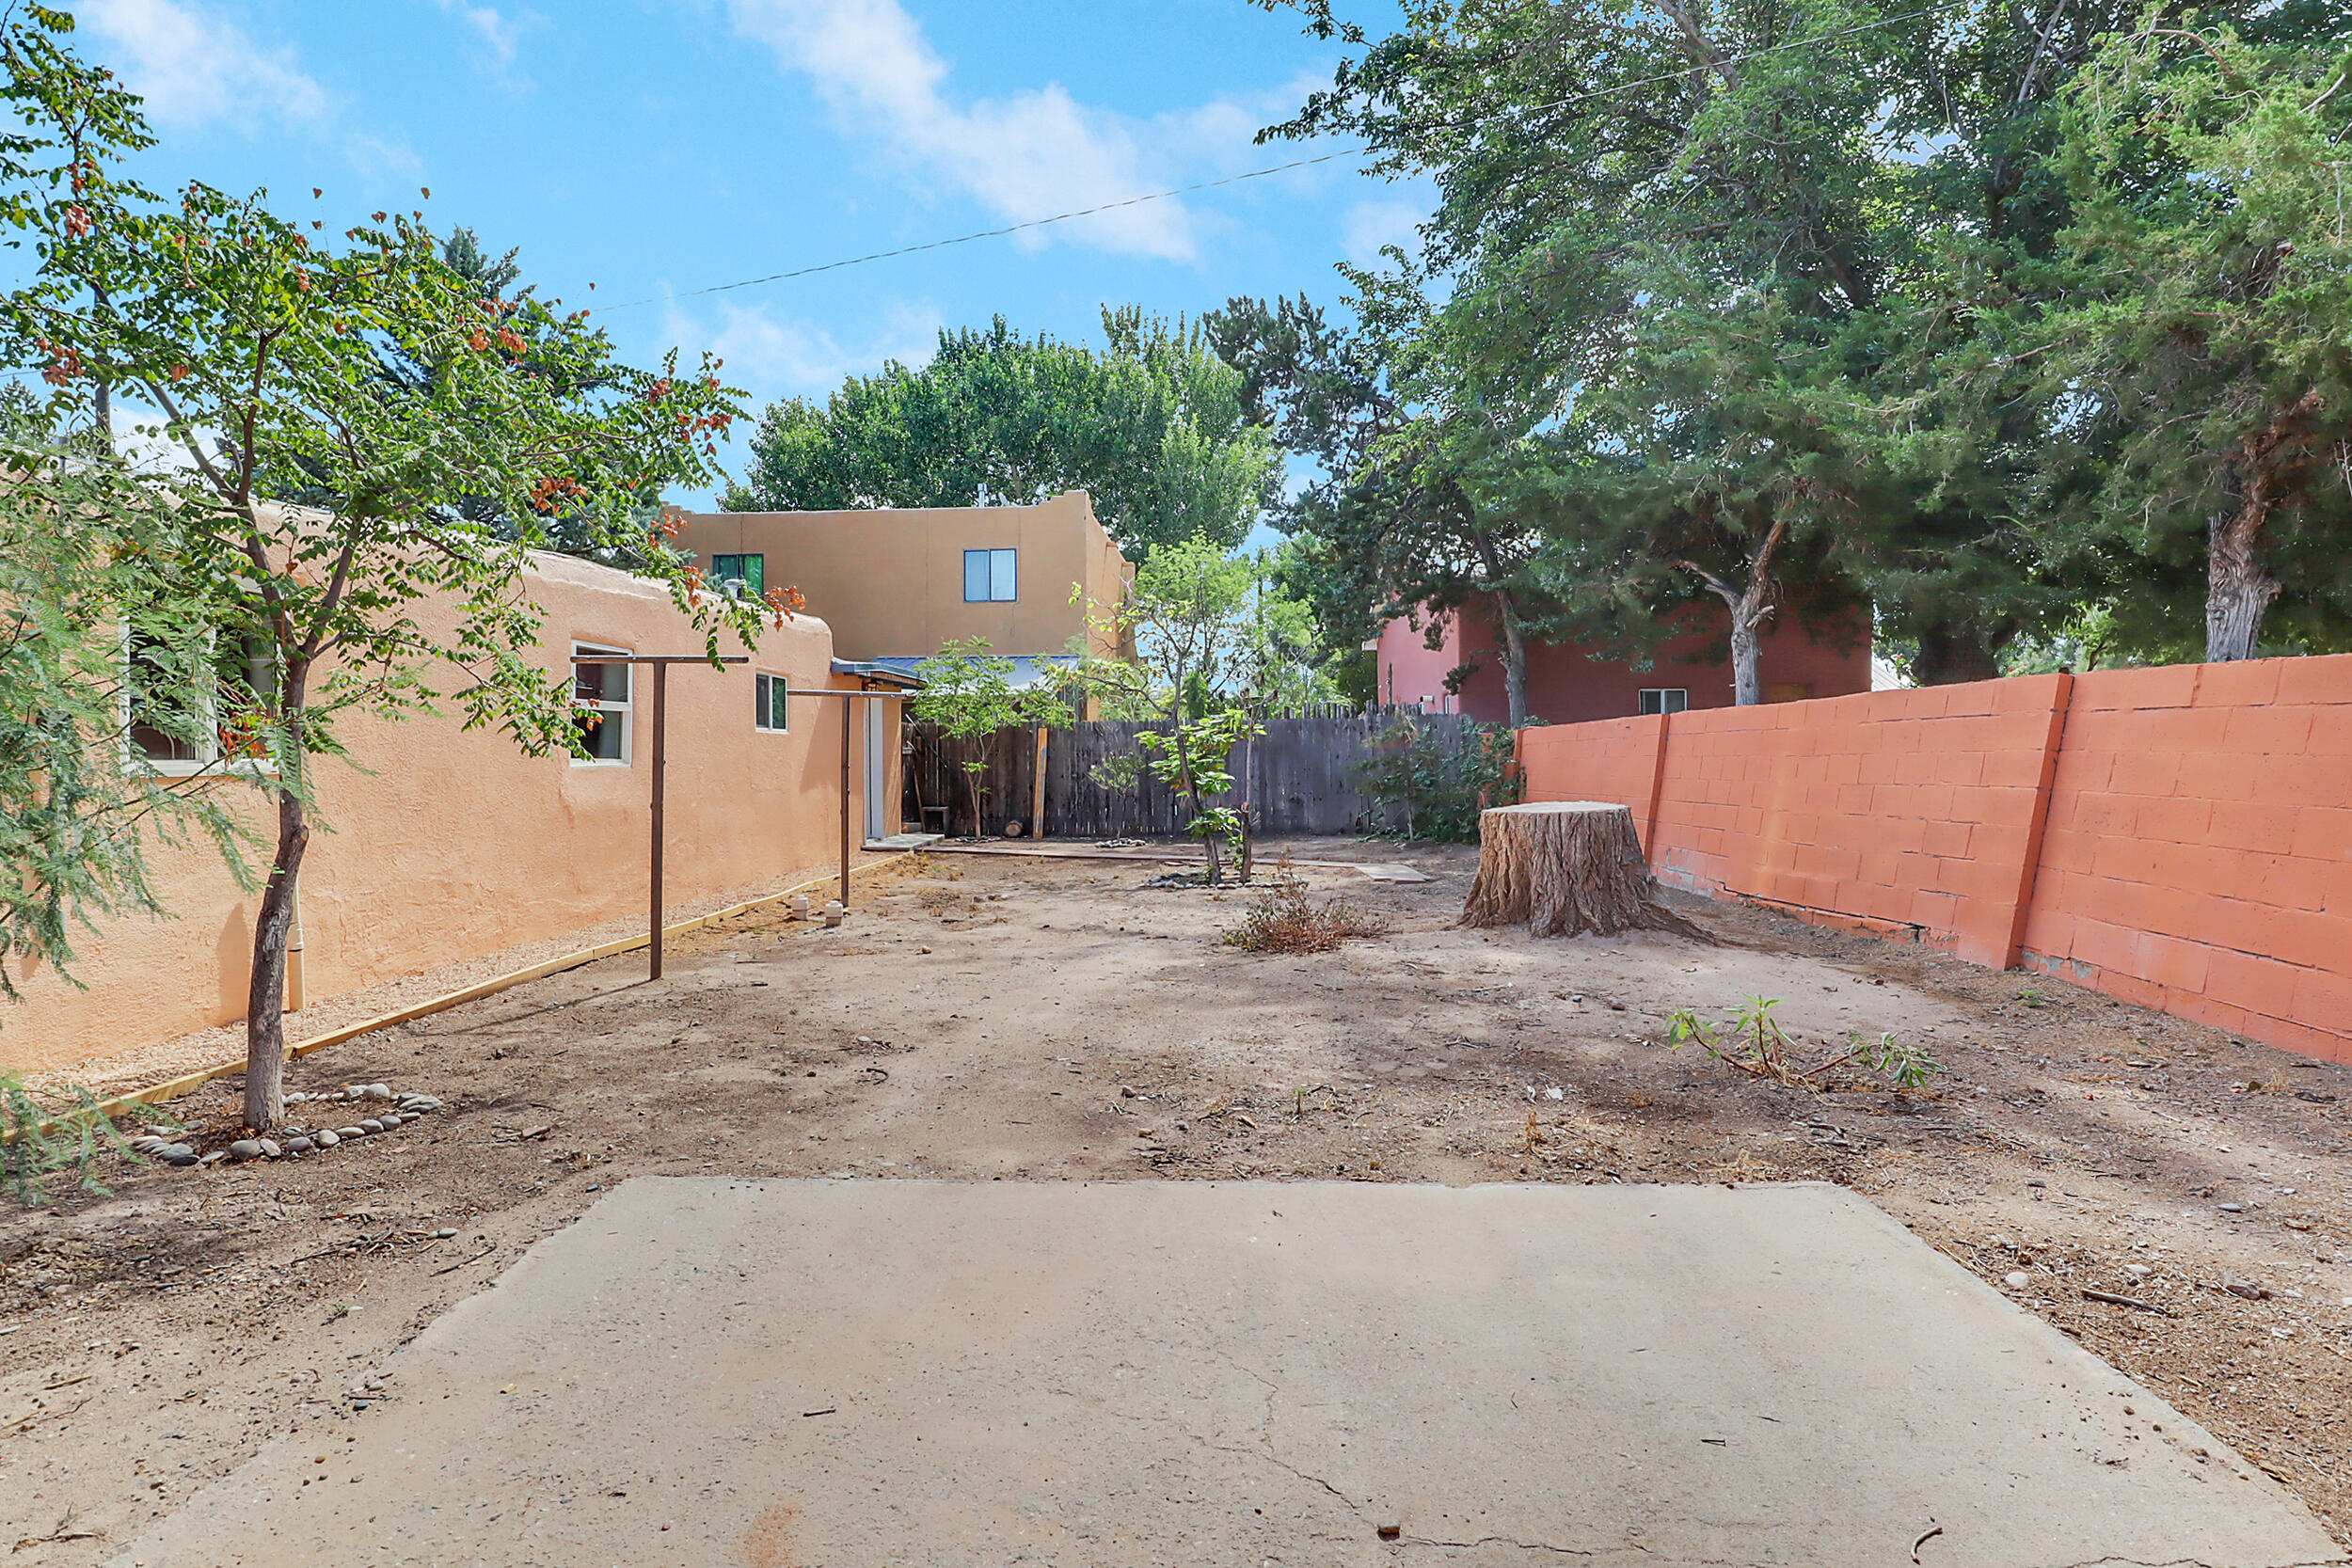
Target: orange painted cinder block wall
2178	836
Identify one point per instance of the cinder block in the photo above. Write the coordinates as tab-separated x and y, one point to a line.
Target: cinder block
2163	686
2145	772
2323	999
2173	963
2248	683
2331	731
2261	829
2323	833
2130	988
2322	681
2267	732
2249	980
2174	819
2294	882
2308	938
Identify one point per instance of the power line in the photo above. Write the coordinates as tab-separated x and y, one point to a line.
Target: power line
994	233
1261	173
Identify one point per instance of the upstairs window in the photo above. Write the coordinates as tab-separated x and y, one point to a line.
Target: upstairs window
768	693
1665	699
989	577
600	701
749	570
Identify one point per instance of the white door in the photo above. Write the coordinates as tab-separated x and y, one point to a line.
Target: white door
878	809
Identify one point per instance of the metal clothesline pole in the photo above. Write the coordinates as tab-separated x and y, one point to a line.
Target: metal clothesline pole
660	663
847	698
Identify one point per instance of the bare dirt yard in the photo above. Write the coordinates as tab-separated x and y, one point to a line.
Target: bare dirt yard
2174	1198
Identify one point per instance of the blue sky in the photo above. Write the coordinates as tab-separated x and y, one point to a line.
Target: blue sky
656	148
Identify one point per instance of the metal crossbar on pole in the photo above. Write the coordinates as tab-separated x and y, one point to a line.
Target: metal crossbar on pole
660	663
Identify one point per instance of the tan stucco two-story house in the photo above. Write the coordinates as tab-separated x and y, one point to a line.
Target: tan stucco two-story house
897	584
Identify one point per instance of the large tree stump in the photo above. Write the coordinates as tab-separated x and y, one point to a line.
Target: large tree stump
1563	868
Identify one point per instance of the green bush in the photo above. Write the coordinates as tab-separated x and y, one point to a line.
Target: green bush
1441	784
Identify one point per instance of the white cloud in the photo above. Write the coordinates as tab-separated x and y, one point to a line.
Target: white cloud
498	35
1034	154
194	68
770	356
1366	226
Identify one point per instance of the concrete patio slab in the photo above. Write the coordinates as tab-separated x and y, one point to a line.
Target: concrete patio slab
844	1375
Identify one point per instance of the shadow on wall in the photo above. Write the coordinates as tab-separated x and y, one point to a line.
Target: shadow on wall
235	948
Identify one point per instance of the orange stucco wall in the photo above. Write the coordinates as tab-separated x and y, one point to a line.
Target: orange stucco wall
1565	684
890	581
453	844
2181	837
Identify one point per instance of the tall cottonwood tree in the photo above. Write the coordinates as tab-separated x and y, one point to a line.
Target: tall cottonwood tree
1418	511
1151	426
1884	172
262	347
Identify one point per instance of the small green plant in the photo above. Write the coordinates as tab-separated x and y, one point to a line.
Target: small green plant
1750	1040
37	1142
2030	997
1907	1065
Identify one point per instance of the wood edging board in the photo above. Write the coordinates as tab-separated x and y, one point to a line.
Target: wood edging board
173	1088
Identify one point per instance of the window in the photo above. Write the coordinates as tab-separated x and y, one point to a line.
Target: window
1665	698
749	570
600	695
989	576
188	709
767	702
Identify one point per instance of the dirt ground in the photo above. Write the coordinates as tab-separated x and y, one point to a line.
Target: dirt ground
152	1340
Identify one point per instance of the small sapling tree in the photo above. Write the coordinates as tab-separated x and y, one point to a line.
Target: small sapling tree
1190	761
971	695
260	343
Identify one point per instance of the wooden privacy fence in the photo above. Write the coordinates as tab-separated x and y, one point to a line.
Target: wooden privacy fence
1302	776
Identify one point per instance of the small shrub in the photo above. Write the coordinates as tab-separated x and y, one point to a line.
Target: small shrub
1443	787
1283	919
1752	1041
39	1141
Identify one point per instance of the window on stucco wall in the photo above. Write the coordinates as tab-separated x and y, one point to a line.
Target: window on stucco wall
600	696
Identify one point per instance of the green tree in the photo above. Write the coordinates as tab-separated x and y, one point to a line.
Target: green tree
263	349
2202	338
86	561
1419	511
971	695
1151	426
1882	177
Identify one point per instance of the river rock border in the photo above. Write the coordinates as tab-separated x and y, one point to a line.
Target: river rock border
160	1144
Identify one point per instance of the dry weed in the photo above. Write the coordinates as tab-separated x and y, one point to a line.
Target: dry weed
1285	920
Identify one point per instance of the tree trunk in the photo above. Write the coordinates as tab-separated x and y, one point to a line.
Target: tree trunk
1563	868
1514	663
2239	591
265	1004
1950	656
1747	685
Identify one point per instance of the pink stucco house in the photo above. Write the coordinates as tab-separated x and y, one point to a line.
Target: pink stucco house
1565	684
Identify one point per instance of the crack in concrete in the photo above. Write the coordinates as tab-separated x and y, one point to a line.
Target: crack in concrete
1509	1541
